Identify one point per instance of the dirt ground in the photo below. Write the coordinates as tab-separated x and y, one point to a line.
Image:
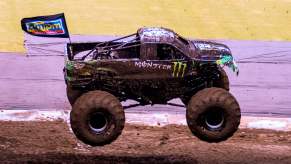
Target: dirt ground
52	142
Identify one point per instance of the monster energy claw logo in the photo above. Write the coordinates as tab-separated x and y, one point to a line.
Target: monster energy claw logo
178	67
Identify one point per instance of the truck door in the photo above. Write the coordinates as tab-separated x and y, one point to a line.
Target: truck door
152	65
171	55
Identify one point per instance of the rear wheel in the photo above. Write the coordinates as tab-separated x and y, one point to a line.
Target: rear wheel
213	114
97	118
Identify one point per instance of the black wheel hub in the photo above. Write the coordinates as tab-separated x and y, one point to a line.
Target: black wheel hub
214	119
98	122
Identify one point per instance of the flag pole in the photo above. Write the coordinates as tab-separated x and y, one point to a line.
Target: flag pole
67	28
70	39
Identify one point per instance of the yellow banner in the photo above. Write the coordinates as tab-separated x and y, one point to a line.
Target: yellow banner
223	19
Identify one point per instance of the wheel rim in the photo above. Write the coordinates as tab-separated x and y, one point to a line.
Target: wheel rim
98	122
214	119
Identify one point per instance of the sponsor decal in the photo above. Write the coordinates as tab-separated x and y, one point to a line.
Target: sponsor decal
203	46
51	27
179	69
209	46
144	64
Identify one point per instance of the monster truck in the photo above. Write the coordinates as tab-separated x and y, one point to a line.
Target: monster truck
151	66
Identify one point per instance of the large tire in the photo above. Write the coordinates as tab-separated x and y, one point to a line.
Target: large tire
213	114
73	94
97	118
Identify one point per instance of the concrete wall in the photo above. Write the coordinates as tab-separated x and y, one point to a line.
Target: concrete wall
223	19
263	86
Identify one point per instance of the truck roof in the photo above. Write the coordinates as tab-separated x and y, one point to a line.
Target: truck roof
156	35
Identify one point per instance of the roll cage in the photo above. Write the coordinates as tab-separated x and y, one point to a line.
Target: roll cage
137	41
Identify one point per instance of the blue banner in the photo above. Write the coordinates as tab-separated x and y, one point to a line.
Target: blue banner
46	26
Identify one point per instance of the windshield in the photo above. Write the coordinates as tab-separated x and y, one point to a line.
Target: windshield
182	44
184	41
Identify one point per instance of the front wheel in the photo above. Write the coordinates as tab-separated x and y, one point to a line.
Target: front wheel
97	118
213	114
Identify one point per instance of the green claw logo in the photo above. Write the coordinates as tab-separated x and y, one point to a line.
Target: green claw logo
178	67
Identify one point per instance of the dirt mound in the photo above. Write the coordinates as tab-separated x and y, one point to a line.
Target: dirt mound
45	142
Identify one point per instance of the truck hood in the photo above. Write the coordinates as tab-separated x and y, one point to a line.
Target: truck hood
207	51
210	48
